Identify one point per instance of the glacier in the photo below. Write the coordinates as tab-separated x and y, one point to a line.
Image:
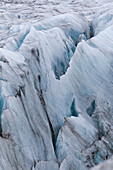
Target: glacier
56	84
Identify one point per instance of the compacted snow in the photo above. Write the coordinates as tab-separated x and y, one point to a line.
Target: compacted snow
56	84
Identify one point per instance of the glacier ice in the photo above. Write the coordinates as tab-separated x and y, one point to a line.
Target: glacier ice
105	165
56	84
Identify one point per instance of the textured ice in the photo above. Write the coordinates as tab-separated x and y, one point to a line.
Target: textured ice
56	84
105	165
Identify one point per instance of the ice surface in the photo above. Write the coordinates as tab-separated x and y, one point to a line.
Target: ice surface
106	165
56	84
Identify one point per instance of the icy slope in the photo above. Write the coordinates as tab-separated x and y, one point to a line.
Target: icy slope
56	85
105	165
